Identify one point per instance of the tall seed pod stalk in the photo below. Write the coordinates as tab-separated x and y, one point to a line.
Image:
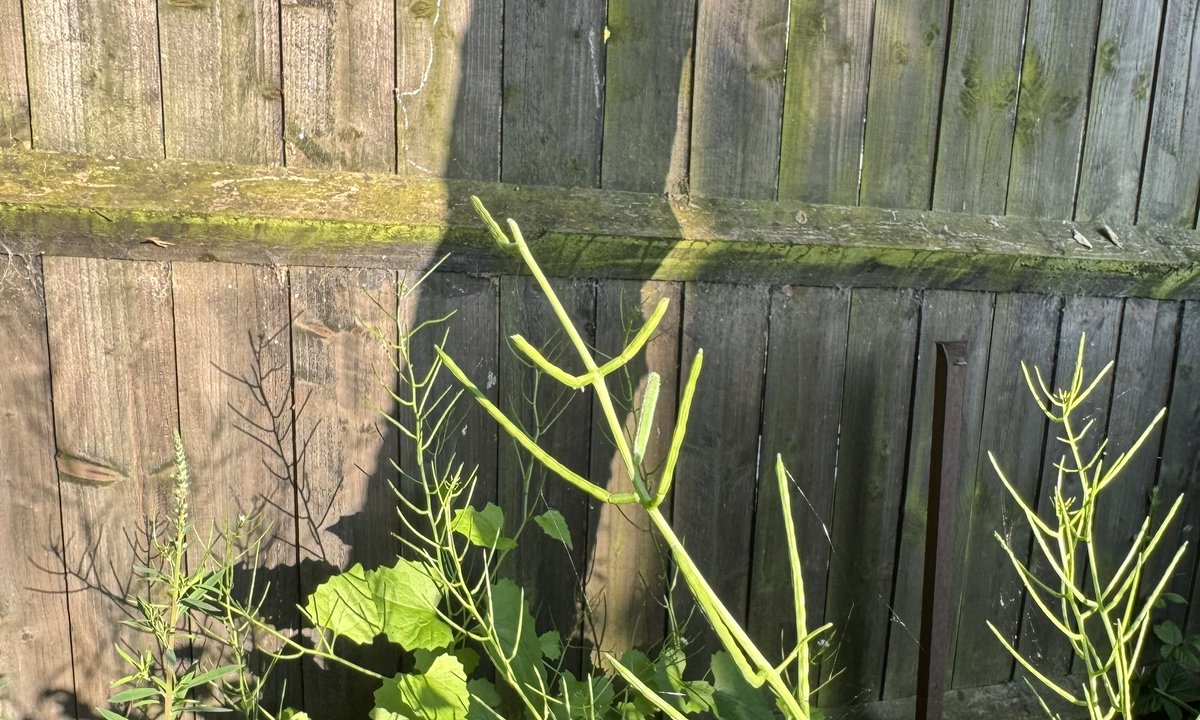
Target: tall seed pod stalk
1101	611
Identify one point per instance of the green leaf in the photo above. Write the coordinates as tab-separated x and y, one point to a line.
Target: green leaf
517	639
583	699
133	694
408	606
735	698
484	528
290	714
440	693
483	696
110	715
554	524
399	602
1168	632
551	644
345	605
214	674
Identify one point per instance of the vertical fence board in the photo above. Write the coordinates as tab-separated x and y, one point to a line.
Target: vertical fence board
344	449
870	479
907	61
551	574
715	486
237	419
647	95
1180	463
14	87
626	572
553	92
112	364
1122	81
1141	387
338	84
945	316
1051	109
36	656
737	97
1171	179
828	55
448	74
93	77
222	93
979	106
806	362
1025	329
1100	320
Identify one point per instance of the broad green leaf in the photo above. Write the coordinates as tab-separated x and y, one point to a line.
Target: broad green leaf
583	699
554	524
345	605
440	693
735	698
514	627
399	602
109	714
483	696
484	528
1168	632
551	644
408	600
290	714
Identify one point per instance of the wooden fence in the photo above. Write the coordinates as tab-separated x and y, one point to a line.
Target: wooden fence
818	321
126	313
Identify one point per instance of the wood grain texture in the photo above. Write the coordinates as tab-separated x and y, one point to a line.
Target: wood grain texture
112	364
1118	111
553	92
1171	173
238	422
870	482
340	219
1024	329
1052	108
716	475
94	82
448	77
737	97
552	574
979	105
908	58
345	450
945	317
802	408
222	90
14	87
647	95
627	568
825	100
36	656
338	84
1181	456
1100	320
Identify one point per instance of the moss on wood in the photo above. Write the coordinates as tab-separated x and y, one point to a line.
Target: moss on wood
66	205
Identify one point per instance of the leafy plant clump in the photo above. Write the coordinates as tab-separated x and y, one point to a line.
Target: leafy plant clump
181	610
471	647
1103	612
